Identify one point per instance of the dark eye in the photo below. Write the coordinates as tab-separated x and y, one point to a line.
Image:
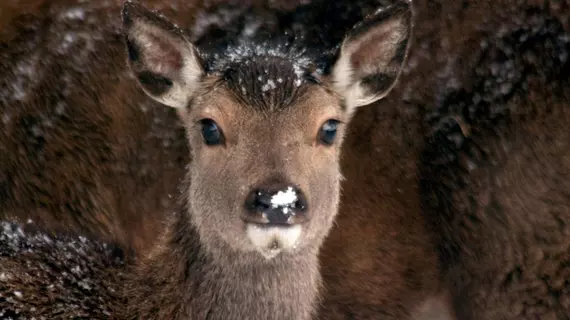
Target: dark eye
327	134
211	132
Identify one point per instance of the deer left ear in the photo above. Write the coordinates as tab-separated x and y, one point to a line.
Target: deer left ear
167	66
372	55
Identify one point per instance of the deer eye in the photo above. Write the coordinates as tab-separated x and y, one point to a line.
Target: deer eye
327	133
211	132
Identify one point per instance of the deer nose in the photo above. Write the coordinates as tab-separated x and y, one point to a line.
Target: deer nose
278	204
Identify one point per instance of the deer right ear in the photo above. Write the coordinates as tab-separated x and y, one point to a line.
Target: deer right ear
166	65
372	55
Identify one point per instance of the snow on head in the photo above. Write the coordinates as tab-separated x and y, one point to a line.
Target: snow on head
268	86
244	52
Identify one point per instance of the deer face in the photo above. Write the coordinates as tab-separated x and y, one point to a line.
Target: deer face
264	132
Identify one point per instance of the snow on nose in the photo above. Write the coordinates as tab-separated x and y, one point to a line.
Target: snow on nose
284	199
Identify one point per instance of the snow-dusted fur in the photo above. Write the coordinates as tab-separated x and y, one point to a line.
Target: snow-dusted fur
57	276
122	157
479	119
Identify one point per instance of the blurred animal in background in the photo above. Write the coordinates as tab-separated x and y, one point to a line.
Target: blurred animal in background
454	183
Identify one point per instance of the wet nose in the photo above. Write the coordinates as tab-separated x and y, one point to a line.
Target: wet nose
277	204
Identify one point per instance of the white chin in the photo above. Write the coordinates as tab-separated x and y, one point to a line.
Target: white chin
270	241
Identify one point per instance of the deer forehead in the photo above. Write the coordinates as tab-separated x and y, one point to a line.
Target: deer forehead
311	106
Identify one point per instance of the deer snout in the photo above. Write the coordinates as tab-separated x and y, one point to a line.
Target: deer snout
276	205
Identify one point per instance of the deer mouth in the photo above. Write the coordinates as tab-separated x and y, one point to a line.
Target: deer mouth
272	240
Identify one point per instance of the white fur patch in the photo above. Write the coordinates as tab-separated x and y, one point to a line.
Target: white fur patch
270	241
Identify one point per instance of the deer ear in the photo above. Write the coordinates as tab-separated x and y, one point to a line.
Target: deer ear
372	54
166	65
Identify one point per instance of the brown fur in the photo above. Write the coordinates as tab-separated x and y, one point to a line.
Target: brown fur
493	173
493	259
75	159
499	265
226	286
495	165
133	204
61	276
268	137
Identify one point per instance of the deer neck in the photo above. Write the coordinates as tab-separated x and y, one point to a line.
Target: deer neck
235	285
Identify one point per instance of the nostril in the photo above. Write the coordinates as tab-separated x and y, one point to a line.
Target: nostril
301	204
262	201
258	201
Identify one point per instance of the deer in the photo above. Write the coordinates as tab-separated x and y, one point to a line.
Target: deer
265	127
264	121
475	127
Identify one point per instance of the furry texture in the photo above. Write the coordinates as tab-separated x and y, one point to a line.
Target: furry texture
495	172
504	252
310	41
282	118
229	286
57	276
81	146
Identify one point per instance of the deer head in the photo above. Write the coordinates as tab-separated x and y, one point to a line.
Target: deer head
264	129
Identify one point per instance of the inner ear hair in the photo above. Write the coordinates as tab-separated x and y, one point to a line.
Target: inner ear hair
165	63
372	55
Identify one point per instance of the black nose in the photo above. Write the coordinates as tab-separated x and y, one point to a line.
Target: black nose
277	204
